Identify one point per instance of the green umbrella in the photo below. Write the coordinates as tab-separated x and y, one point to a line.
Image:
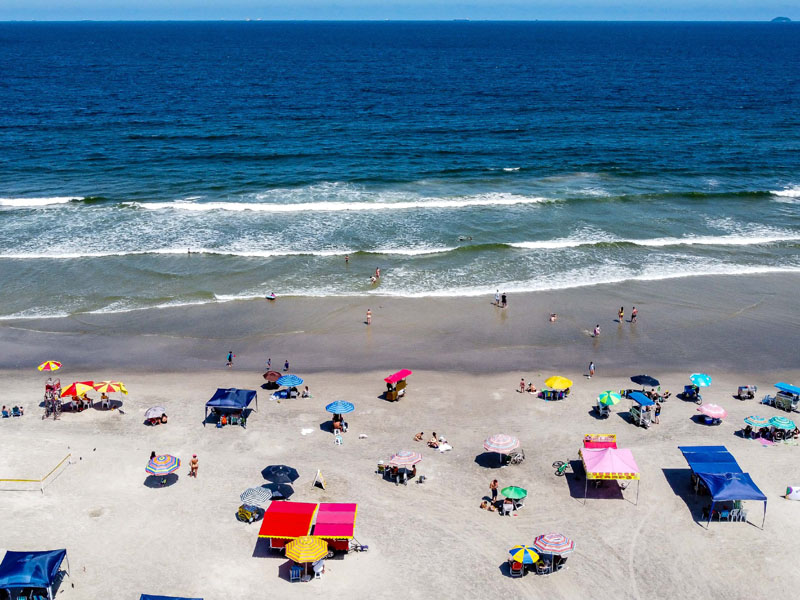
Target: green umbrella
514	492
609	398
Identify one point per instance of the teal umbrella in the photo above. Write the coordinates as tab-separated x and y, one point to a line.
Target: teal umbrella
756	421
514	492
782	423
700	379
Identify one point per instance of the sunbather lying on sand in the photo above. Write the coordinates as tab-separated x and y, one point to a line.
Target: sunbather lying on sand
434	441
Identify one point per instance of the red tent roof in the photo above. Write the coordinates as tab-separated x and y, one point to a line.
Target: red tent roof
287	520
401	374
336	520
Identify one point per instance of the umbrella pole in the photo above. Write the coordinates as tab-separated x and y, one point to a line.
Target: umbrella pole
586	489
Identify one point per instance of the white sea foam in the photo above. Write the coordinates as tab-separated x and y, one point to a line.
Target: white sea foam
491	199
36	202
707	240
510	169
792	192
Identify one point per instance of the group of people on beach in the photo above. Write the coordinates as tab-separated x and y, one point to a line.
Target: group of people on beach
500	300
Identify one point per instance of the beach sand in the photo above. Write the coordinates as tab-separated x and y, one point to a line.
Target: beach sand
124	538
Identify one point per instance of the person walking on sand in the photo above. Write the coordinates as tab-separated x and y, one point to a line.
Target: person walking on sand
286	365
621	314
369	317
591	369
231	356
269	363
193	466
657	412
597	330
497	298
634	314
522	386
504	300
493	489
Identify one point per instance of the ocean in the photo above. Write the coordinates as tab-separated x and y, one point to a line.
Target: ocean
161	164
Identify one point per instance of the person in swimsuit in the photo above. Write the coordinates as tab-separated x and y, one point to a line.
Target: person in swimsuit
597	330
493	489
418	437
522	385
621	314
369	317
634	314
193	466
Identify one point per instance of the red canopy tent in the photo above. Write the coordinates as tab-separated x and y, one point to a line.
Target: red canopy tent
399	376
336	524
285	521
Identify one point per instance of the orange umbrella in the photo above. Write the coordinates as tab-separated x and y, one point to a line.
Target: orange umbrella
78	388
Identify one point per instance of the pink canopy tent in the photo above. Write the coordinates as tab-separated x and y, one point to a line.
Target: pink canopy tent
609	463
336	520
399	376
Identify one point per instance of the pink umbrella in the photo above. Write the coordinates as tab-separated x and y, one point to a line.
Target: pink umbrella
405	458
715	411
501	443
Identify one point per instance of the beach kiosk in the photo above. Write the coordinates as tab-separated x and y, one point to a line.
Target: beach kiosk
31	570
396	384
640	409
286	521
336	524
609	463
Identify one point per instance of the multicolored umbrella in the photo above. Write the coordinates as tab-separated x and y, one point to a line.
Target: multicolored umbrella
782	423
756	421
514	492
609	398
256	496
553	543
501	443
77	388
715	411
700	379
289	381
306	549
405	458
525	555
49	365
163	465
110	387
557	382
155	412
340	407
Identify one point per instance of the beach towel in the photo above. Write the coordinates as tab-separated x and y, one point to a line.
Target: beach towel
445	447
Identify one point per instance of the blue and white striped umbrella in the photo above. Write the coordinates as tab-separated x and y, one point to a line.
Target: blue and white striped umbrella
340	407
290	381
256	496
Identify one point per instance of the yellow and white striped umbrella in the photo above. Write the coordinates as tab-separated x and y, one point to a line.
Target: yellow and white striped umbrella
306	549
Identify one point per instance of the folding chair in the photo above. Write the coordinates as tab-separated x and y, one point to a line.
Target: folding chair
516	569
295	573
337	441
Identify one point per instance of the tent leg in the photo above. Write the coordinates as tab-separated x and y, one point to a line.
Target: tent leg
586	489
764	519
638	483
50	592
710	513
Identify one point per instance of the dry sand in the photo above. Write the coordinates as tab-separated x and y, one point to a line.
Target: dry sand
124	538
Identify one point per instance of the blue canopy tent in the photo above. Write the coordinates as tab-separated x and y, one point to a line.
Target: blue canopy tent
732	486
640	399
231	400
31	570
722	475
151	597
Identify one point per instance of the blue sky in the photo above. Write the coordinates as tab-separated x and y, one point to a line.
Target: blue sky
399	9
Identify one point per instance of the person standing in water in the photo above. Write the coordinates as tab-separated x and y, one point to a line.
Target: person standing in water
634	314
369	317
621	314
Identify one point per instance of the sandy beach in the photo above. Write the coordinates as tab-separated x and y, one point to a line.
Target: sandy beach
124	538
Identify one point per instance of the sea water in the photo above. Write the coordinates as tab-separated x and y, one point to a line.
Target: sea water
159	164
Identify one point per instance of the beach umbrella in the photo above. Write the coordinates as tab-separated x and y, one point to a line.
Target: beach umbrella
163	465
155	412
609	398
49	365
256	496
272	376
306	549
280	474
340	407
645	380
501	443
107	387
557	382
755	421
715	411
525	555
782	423
700	379
405	458
514	492
77	388
289	381
553	543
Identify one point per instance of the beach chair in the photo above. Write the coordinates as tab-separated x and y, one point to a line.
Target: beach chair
6	414
517	569
508	508
337	441
295	573
734	514
542	568
15	412
743	515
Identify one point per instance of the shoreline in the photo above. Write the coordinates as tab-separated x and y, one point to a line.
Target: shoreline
746	323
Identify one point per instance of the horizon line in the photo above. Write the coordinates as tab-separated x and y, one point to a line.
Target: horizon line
384	20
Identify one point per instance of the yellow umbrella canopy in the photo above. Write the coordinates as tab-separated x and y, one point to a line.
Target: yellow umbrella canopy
306	549
49	365
557	382
107	387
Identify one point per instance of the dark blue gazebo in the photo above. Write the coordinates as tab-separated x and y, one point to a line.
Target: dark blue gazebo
231	400
31	570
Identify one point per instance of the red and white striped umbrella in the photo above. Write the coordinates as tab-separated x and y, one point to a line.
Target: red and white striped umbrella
553	543
715	411
501	443
405	458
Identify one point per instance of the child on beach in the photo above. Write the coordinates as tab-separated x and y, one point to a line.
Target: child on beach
286	365
522	386
634	314
369	317
231	356
591	369
597	330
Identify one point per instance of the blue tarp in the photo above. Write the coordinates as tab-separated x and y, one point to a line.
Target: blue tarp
30	569
640	399
731	486
786	387
151	597
710	459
